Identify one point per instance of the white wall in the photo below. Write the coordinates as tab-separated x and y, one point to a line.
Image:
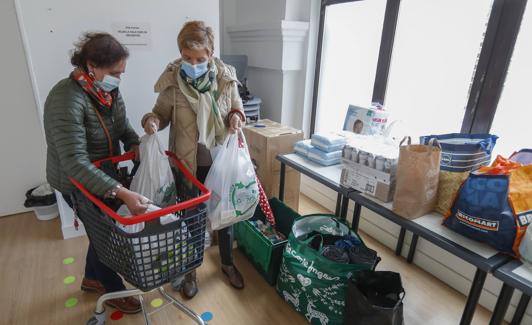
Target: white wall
267	84
22	144
52	27
273	35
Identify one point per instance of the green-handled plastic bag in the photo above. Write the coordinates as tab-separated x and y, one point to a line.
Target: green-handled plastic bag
313	284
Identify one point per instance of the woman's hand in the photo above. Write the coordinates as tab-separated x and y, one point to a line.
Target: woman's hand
235	123
151	125
136	203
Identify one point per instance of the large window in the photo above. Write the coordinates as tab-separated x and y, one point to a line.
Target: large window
514	113
438	66
350	50
434	55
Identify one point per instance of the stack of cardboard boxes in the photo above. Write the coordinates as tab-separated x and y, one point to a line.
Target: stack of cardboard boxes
266	139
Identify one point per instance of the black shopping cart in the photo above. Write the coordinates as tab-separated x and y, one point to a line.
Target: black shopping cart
156	255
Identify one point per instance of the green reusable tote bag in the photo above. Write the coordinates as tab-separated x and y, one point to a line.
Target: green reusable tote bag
313	284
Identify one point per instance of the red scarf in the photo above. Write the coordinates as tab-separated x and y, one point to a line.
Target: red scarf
87	83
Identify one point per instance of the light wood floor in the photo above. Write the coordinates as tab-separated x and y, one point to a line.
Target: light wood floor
32	289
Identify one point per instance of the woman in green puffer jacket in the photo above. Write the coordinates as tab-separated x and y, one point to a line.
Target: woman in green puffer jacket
85	120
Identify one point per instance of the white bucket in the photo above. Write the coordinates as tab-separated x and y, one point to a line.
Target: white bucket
47	212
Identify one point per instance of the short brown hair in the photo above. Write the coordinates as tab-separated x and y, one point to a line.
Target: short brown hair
196	35
102	49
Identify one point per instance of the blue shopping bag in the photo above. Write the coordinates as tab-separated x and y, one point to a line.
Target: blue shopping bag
463	152
494	206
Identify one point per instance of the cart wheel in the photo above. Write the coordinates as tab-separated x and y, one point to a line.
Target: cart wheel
96	320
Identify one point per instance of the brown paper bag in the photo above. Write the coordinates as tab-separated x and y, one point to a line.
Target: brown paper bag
417	179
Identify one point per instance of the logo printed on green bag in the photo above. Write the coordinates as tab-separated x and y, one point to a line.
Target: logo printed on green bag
294	299
244	197
305	282
285	275
310	268
312	313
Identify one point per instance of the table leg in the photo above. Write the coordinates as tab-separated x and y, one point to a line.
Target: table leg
281	182
412	249
502	305
521	309
345	204
473	297
338	204
400	241
356	217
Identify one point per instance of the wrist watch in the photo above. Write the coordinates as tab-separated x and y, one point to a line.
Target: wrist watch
111	194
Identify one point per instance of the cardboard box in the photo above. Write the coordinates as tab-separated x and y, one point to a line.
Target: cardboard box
266	139
368	180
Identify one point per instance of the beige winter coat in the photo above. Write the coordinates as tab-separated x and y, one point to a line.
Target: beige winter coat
173	108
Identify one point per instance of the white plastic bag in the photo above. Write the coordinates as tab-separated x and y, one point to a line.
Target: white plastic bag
154	178
130	229
138	227
233	184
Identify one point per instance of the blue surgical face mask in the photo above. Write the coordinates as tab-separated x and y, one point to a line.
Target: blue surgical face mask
108	83
195	71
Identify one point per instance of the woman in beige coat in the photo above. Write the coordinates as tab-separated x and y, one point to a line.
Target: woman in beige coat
198	98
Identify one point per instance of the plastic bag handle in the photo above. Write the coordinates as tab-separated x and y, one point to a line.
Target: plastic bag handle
242	137
487	145
434	142
377	261
388	130
401	298
308	240
406	138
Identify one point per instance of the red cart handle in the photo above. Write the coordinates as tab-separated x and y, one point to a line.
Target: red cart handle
206	193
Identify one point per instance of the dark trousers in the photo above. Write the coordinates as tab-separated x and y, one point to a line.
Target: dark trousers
225	235
96	270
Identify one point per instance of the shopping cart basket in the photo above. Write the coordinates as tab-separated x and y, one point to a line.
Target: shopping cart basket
156	255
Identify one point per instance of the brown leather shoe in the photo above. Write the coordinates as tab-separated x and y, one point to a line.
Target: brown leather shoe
128	305
235	278
189	286
90	285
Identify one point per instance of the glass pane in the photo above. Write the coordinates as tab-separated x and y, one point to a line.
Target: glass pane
434	57
351	41
514	114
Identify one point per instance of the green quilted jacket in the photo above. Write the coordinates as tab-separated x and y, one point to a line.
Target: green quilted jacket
75	137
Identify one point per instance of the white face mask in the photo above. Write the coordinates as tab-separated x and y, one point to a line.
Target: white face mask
108	83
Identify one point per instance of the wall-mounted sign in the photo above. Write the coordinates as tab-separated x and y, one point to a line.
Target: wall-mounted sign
132	33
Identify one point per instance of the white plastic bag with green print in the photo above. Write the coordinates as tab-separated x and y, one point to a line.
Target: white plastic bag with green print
154	178
233	184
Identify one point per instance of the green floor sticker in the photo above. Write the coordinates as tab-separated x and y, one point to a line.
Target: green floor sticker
71	302
69	279
68	260
157	302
